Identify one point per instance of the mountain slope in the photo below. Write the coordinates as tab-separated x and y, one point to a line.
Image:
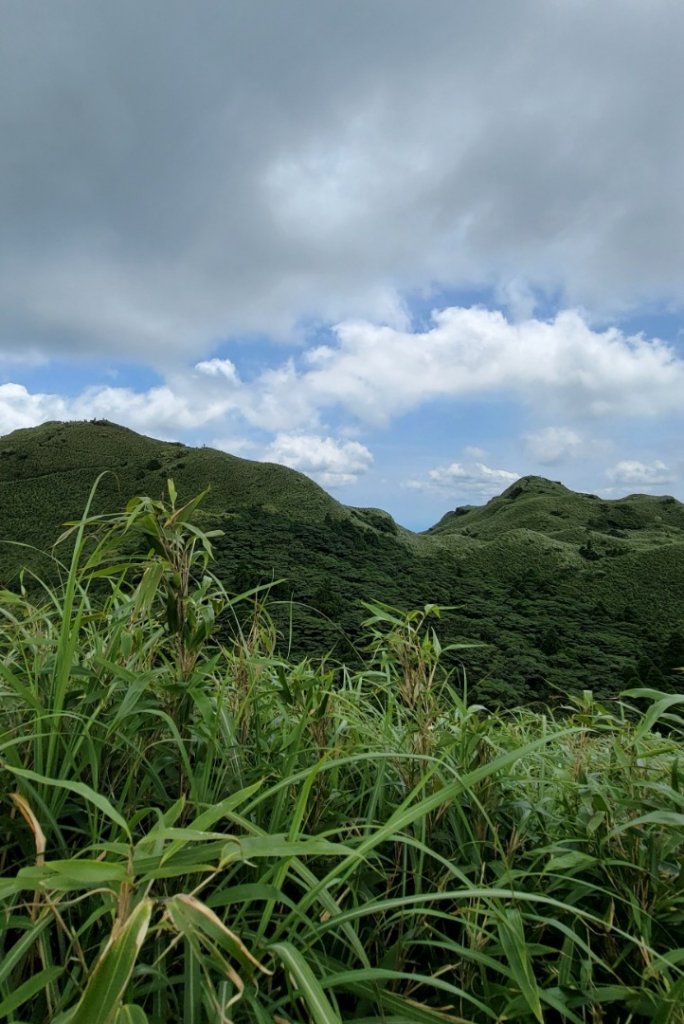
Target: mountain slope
46	474
566	591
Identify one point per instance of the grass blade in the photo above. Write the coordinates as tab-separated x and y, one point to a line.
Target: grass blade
80	788
512	938
306	983
29	989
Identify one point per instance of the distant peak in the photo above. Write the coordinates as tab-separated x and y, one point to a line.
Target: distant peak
534	485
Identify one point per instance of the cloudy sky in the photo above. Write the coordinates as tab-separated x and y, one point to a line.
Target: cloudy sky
413	249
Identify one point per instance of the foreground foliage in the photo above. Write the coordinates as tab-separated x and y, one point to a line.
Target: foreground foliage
201	831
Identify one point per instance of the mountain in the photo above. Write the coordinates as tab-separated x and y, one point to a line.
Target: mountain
547	507
65	458
565	591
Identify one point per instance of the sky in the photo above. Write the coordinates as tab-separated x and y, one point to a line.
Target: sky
414	250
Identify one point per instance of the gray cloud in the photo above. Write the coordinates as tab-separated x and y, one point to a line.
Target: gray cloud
172	173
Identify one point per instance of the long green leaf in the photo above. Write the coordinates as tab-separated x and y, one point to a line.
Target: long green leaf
514	945
415	808
75	873
253	847
29	989
369	982
21	947
131	1014
69	629
191	915
22	691
192	985
307	983
101	1000
80	788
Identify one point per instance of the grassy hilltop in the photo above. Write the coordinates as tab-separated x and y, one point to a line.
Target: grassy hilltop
547	507
565	591
62	460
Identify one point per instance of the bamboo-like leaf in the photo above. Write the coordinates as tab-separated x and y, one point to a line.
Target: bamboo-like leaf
253	847
80	788
73	874
19	688
192	985
189	913
307	983
148	587
131	1014
10	886
12	957
250	892
661	705
28	990
181	515
204	821
101	1000
199	932
187	834
514	945
667	819
571	860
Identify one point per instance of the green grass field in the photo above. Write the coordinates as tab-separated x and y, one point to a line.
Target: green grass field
197	827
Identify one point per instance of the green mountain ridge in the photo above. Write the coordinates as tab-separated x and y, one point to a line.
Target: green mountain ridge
565	591
72	453
549	507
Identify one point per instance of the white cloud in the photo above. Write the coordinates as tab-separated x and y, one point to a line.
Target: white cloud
235	445
332	463
223	368
477	479
373	374
472	451
167	413
19	408
553	444
162	411
632	473
378	372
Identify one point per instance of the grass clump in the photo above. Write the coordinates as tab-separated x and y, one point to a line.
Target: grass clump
200	830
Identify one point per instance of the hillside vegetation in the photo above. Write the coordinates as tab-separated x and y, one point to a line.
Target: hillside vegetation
564	591
195	827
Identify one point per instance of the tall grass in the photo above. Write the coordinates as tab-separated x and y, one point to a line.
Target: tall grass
194	828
